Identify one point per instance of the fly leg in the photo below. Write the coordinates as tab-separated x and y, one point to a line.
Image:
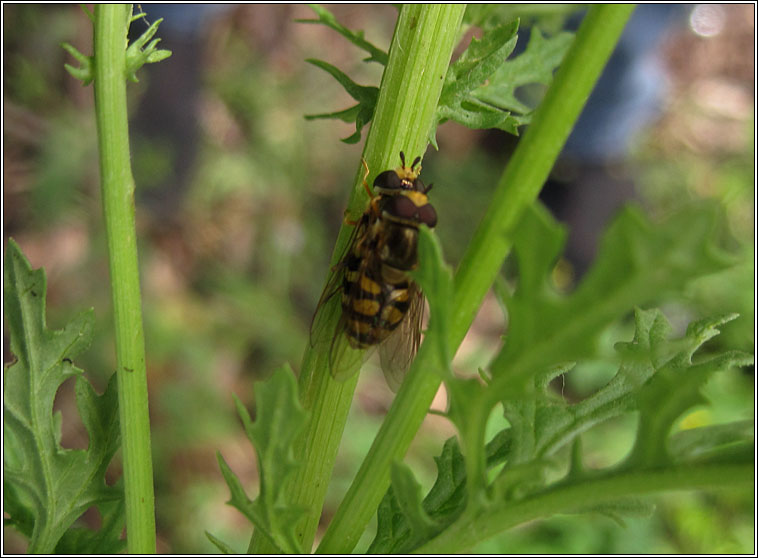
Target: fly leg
366	187
365	176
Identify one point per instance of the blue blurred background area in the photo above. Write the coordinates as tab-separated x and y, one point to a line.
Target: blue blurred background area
631	92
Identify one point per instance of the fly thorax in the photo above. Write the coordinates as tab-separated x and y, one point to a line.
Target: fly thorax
399	250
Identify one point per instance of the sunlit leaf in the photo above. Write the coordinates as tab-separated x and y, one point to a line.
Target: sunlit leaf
480	87
674	388
325	17
279	419
137	54
442	505
638	262
49	487
361	113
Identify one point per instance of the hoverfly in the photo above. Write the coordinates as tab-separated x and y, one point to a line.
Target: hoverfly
381	305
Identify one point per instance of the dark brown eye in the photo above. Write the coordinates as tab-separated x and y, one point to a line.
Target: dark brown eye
427	215
401	207
388	180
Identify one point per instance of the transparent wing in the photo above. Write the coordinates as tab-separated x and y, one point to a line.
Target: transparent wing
397	352
344	360
321	317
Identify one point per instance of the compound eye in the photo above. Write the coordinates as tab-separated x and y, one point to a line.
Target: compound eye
419	186
388	180
427	215
402	208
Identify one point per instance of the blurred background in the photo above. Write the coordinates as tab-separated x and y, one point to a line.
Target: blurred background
239	200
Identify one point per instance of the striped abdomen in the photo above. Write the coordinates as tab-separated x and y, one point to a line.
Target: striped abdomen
375	298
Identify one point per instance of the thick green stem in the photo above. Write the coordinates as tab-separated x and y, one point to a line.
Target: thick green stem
420	53
111	24
518	187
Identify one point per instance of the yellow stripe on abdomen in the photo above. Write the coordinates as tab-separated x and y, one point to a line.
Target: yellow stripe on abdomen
365	306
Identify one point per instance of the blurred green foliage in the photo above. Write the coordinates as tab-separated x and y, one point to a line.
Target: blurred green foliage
232	273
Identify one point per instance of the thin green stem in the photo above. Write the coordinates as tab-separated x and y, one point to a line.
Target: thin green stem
372	480
586	494
111	24
422	46
518	187
534	158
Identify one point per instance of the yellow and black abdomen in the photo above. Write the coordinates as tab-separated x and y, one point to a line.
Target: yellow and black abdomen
377	295
376	292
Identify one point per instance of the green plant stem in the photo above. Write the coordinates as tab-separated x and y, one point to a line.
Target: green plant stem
534	157
111	24
422	46
517	188
583	495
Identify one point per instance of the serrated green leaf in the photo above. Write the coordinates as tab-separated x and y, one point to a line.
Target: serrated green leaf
698	442
19	515
325	17
408	493
279	419
469	414
448	492
534	66
50	487
478	14
518	480
362	113
404	523
543	425
544	16
540	426
443	504
479	61
649	356
480	86
361	93
347	115
87	12
391	527
465	395
637	263
106	540
157	56
138	16
367	96
85	72
221	545
137	54
471	72
436	280
674	388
